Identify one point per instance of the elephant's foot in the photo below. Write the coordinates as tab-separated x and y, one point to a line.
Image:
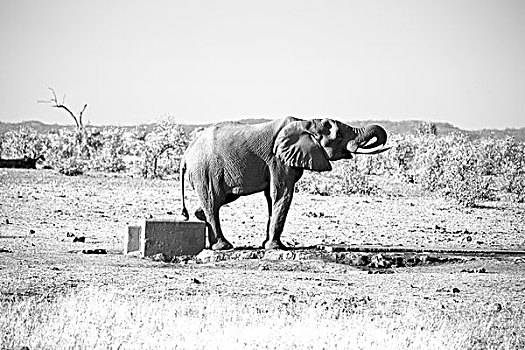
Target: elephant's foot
222	244
199	214
274	244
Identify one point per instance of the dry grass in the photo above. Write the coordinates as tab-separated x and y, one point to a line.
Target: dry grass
410	309
108	319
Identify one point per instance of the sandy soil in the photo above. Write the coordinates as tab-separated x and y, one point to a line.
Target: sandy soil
41	212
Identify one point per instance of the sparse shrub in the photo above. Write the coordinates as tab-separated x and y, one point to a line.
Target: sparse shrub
372	165
65	152
75	151
346	178
464	176
109	156
426	128
314	183
512	168
162	149
24	142
456	166
71	166
354	178
398	161
430	160
452	165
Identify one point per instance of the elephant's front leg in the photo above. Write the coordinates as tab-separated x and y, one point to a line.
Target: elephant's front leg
268	196
281	198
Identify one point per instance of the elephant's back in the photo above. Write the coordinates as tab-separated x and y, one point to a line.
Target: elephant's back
200	150
226	154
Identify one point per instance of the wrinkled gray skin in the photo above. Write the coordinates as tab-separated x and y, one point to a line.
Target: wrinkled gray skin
228	161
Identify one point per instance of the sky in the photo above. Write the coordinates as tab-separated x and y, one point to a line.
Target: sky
457	61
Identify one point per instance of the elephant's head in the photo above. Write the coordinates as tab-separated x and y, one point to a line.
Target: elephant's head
312	144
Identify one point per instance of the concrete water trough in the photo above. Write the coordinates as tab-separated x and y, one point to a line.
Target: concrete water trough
169	237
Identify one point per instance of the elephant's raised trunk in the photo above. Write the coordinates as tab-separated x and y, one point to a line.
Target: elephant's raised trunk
370	140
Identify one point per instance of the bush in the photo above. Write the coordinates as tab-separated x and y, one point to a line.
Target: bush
456	166
68	152
24	142
75	151
346	178
109	156
162	149
512	168
464	176
71	167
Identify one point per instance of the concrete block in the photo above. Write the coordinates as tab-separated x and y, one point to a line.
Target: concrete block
132	239
166	236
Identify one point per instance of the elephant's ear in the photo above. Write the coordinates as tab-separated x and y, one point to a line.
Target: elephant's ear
295	146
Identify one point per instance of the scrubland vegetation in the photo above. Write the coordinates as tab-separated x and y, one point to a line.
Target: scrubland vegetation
74	151
468	170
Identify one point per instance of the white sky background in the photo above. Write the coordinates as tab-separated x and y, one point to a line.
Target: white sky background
206	61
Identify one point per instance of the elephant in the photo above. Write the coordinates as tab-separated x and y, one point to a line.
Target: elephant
231	160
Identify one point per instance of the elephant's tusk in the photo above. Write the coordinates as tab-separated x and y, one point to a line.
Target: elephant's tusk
381	150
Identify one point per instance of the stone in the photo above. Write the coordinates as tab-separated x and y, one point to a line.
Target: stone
496	307
95	251
278	254
380	261
399	261
160	257
171	237
207	256
248	255
361	260
344	258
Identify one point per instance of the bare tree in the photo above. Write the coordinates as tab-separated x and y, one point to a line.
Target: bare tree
54	102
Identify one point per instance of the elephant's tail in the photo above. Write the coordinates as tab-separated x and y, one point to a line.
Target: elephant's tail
184	213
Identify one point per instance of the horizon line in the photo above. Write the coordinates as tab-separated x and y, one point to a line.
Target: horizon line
151	122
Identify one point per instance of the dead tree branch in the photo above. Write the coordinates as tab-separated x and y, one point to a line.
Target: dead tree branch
54	102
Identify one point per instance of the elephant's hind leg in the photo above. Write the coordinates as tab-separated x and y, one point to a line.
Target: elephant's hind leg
210	213
215	236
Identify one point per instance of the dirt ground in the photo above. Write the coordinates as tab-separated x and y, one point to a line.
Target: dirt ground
41	212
